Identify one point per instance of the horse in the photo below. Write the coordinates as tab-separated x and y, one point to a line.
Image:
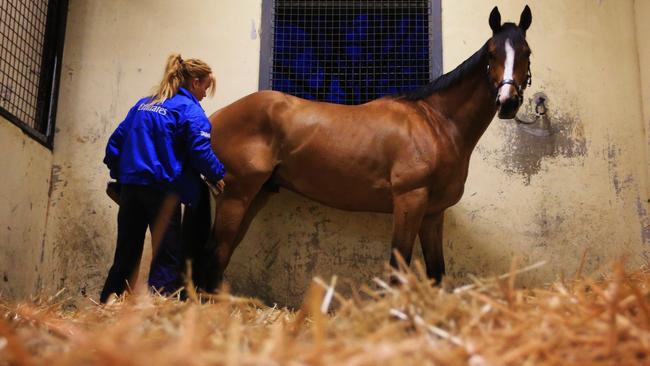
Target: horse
406	155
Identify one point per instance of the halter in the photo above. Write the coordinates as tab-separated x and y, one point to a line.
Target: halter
518	88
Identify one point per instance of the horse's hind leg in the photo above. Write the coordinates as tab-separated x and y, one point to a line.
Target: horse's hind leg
256	205
431	240
235	210
408	210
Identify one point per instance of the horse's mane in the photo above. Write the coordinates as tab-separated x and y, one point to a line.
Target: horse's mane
445	81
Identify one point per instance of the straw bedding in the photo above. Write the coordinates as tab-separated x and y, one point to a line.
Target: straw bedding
583	321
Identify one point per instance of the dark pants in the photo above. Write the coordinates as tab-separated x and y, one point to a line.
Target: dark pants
141	207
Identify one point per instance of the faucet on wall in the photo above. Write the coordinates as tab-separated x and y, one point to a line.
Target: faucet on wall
535	118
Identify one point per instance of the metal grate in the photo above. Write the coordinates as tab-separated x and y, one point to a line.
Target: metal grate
351	51
31	34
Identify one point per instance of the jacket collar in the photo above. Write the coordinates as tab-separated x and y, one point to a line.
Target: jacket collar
187	93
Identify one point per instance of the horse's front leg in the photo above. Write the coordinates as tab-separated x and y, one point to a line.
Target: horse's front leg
431	240
408	210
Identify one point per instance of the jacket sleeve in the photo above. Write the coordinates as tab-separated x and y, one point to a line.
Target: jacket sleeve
201	156
114	146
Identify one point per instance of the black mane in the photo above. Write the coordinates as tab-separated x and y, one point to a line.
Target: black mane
445	81
507	30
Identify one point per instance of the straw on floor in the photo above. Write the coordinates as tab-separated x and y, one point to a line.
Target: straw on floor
582	321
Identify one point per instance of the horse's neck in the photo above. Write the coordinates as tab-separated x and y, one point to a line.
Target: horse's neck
469	105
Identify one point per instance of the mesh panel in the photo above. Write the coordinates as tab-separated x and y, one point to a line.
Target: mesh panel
22	38
349	51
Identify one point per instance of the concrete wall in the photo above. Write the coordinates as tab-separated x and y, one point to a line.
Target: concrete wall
114	54
582	187
642	14
26	167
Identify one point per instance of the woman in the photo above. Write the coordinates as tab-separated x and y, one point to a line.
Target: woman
156	155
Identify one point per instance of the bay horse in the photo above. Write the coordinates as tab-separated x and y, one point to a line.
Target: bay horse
405	154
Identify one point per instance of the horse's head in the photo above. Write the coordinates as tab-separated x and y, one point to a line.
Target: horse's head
509	61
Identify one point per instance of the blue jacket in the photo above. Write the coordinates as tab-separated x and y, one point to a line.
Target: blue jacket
165	145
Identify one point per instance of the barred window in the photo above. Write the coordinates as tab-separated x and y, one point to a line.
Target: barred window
31	43
351	51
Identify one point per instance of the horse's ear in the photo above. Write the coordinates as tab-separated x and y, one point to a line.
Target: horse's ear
495	20
526	19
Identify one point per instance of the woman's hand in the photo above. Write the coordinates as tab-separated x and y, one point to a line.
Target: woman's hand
217	188
221	185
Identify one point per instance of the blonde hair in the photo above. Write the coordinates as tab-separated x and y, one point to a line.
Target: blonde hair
177	73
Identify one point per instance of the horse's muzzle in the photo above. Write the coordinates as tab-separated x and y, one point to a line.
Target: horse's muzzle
509	109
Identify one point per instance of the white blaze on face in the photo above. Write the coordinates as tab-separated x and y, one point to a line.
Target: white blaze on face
508	69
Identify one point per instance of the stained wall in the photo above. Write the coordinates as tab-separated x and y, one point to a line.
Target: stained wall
115	53
573	182
642	12
26	168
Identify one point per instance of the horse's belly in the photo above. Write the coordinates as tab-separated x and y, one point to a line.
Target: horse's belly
343	189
